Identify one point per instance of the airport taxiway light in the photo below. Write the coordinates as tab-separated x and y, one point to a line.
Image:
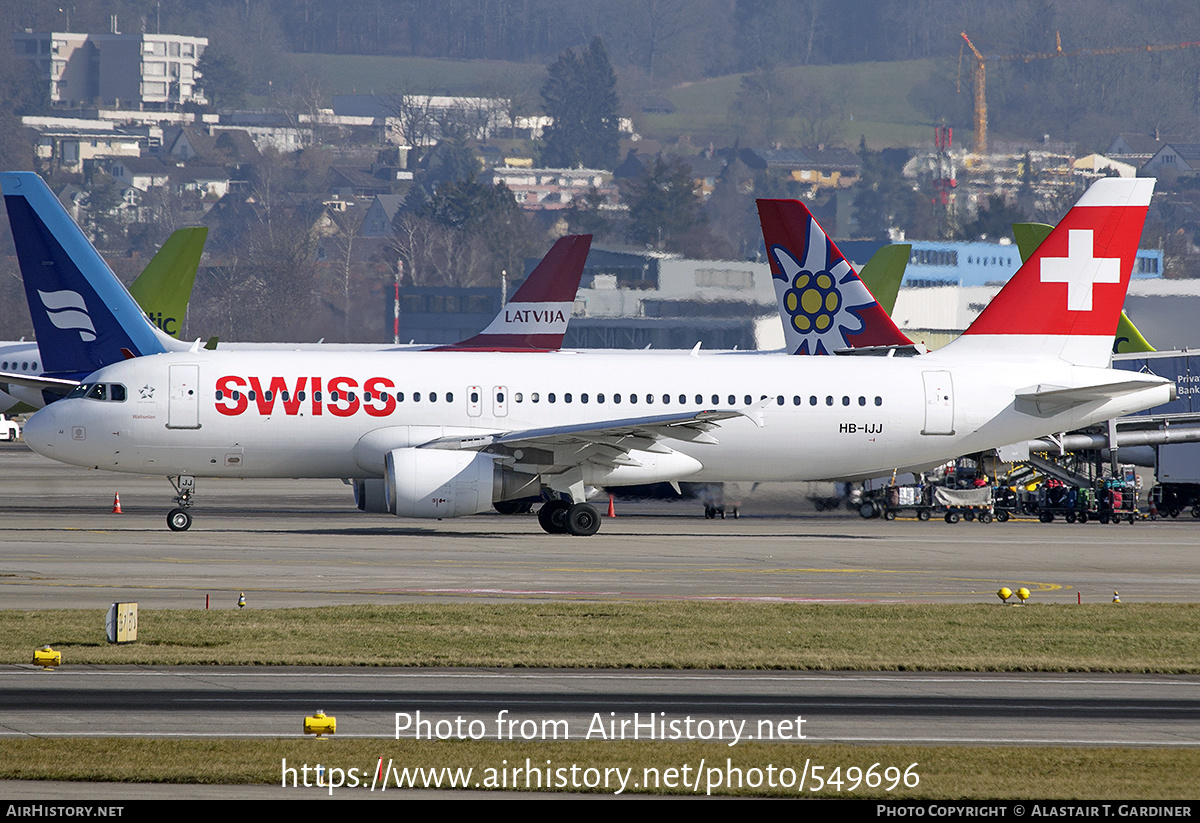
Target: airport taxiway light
320	724
242	600
1116	597
46	657
1023	593
1004	593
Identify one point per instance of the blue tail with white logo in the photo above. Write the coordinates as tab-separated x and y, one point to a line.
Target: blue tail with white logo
83	316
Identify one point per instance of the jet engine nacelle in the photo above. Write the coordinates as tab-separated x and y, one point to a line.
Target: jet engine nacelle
437	483
370	495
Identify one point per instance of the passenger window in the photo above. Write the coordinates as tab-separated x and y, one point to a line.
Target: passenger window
550	398
732	400
829	400
283	395
300	396
600	397
474	397
633	398
616	398
220	394
449	397
583	398
812	401
716	400
534	397
750	400
432	397
267	395
399	397
878	401
333	396
567	397
779	400
845	400
416	397
253	395
796	400
862	401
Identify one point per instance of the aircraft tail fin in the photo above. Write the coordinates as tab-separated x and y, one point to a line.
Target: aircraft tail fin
1129	337
824	305
1066	299
164	287
83	316
536	317
883	273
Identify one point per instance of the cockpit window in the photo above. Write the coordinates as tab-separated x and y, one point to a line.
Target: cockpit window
108	392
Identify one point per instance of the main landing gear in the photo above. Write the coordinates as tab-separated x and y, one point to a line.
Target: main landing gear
563	517
179	519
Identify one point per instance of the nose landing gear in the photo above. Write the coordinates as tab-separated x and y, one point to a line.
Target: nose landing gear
179	519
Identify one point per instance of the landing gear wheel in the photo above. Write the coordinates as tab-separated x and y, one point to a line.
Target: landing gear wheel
552	517
582	520
178	520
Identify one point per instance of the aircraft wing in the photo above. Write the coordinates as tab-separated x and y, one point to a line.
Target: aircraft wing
567	458
626	434
52	384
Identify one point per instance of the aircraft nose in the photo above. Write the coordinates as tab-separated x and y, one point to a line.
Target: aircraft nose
41	432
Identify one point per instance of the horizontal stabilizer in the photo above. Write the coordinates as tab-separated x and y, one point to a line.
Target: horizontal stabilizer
1046	400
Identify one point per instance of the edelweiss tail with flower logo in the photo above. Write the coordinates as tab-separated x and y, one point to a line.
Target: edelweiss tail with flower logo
823	304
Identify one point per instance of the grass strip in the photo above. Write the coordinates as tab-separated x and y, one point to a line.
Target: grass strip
941	772
1158	638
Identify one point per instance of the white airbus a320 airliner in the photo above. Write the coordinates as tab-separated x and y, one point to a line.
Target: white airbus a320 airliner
449	433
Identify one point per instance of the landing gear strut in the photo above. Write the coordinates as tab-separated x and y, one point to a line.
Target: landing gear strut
180	519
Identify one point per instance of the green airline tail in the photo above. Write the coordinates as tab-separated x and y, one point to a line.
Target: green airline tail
1029	236
165	285
884	271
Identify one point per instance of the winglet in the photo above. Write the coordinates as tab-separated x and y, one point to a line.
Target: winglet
536	317
823	303
84	318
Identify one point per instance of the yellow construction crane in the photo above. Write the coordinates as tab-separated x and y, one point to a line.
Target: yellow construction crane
981	72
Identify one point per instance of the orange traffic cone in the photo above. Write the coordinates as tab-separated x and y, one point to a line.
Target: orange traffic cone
611	511
117	503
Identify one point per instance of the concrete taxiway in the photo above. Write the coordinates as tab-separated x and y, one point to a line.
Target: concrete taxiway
301	543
